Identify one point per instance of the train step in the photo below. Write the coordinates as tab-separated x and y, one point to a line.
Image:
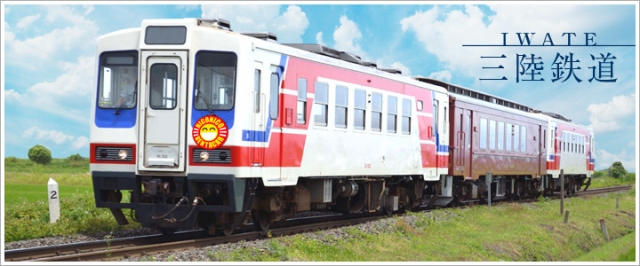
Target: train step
442	201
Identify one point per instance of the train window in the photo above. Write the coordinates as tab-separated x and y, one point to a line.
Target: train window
467	132
419	105
321	103
523	139
360	107
118	86
376	111
165	35
445	120
500	135
215	85
516	137
436	117
406	116
483	133
256	90
163	86
342	100
274	95
392	114
492	134
302	101
509	135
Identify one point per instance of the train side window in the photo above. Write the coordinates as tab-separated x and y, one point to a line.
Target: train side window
500	135
516	137
436	117
392	114
483	133
523	139
274	96
509	136
302	101
256	90
467	132
321	103
492	134
376	111
342	100
445	120
406	116
360	108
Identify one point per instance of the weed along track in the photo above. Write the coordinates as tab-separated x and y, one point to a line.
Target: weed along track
115	249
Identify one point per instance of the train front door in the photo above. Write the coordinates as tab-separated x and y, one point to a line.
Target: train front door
163	86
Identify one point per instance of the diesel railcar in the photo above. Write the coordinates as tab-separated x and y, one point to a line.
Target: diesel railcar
195	125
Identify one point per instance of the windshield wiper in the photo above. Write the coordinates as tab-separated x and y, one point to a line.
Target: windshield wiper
133	94
204	99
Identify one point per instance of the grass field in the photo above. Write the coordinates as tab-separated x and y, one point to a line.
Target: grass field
442	235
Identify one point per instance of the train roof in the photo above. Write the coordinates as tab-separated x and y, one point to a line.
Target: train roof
311	51
489	98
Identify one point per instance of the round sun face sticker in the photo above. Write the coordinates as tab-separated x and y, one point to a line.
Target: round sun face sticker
210	132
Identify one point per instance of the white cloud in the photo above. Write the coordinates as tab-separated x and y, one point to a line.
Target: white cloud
606	159
88	10
80	142
36	52
67	96
444	75
607	116
40	134
288	26
13	96
319	38
27	21
449	28
346	38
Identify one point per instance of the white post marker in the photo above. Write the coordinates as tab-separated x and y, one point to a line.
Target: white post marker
54	201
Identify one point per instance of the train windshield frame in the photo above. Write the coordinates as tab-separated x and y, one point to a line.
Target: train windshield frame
215	80
117	85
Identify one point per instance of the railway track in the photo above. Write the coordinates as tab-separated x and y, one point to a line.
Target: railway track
106	250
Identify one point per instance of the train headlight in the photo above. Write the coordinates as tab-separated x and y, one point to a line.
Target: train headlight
104	153
122	154
204	156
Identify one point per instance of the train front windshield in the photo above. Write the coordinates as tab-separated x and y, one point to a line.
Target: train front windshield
215	80
118	72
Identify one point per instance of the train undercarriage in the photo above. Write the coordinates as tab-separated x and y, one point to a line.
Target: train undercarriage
221	207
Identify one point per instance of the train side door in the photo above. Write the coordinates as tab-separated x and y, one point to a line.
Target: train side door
163	79
259	119
274	113
542	155
462	142
441	132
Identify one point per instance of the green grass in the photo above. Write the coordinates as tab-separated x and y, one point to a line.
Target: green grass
507	232
623	249
28	193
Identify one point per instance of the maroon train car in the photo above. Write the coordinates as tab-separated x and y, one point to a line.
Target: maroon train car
493	135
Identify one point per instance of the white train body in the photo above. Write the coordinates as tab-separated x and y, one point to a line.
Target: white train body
213	113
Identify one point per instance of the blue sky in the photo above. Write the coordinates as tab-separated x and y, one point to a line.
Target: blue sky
48	57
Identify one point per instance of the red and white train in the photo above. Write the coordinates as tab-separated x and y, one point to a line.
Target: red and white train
196	125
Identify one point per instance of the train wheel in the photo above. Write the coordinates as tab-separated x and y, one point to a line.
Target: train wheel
261	220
